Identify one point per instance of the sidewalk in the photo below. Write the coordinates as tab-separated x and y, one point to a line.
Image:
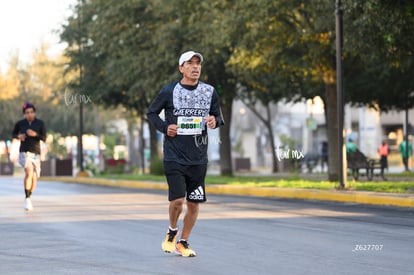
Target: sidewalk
359	197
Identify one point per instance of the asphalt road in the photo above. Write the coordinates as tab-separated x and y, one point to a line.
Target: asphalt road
88	229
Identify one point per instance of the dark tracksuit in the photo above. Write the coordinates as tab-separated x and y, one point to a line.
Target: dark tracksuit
185	155
30	144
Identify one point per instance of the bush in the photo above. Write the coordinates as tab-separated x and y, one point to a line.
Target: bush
115	166
157	166
90	166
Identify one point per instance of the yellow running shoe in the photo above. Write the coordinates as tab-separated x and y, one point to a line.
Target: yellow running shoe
184	249
168	245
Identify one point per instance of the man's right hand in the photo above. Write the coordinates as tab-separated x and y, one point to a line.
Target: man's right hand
172	130
21	137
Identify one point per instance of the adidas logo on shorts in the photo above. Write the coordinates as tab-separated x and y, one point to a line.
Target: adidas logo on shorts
197	195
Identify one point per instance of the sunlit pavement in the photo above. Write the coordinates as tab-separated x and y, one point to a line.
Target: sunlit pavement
334	195
93	229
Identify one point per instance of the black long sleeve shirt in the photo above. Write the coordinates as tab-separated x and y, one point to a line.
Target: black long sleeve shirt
185	106
30	144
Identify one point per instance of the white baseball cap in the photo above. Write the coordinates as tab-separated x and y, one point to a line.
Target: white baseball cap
187	56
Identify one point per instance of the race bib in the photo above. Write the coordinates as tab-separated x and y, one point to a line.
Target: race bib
189	125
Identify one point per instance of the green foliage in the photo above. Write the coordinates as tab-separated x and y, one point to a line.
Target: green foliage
55	148
156	166
123	51
42	83
10	113
110	140
238	147
380	60
90	166
126	50
391	186
388	187
288	152
115	166
287	141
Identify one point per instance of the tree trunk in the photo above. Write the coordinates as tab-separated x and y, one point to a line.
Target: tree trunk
332	131
153	142
142	146
268	123
226	167
132	151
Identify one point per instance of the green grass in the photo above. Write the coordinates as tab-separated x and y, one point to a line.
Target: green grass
405	184
401	175
383	186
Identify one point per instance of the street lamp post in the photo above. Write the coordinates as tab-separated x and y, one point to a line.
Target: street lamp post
80	139
406	137
339	89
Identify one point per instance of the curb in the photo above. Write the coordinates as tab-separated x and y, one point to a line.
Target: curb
361	197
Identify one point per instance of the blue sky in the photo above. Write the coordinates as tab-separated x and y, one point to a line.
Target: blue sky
24	24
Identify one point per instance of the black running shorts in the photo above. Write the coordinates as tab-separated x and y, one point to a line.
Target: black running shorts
185	181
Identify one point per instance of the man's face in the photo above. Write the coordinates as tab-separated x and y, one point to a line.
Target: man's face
191	69
29	114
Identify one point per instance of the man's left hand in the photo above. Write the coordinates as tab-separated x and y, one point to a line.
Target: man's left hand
210	121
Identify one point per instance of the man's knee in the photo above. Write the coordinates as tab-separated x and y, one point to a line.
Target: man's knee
192	206
177	202
29	172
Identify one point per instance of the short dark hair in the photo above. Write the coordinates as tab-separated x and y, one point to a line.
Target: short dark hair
28	105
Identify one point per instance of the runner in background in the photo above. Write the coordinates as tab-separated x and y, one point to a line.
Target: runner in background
30	131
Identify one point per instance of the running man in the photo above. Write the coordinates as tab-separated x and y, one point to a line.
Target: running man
30	131
190	107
